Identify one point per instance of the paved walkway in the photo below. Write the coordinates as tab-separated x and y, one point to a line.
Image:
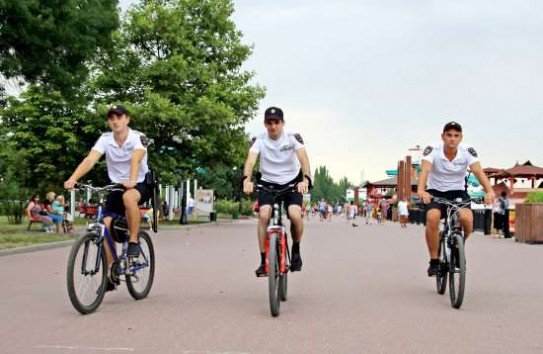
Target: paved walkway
362	290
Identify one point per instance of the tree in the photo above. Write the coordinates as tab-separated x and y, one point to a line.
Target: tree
51	42
49	137
178	69
342	187
325	188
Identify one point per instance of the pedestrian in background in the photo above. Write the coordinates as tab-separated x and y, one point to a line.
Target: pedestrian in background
504	212
403	212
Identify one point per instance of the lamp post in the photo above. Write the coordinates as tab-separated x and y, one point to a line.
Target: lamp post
238	180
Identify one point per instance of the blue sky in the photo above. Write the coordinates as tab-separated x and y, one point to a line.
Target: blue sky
364	81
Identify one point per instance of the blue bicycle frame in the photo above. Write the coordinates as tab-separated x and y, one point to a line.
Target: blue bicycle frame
104	233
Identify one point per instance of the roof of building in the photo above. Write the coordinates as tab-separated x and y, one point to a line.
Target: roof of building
527	169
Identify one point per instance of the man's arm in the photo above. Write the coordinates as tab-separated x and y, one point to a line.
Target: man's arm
301	153
84	167
248	172
137	156
426	167
477	170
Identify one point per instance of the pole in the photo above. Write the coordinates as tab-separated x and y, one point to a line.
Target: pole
72	202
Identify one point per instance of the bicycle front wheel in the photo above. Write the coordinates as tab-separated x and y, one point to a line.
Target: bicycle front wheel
457	271
441	279
142	270
273	275
87	274
283	278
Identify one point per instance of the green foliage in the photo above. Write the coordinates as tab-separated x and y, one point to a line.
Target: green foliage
534	197
52	41
325	188
224	180
46	135
228	206
178	68
175	64
13	210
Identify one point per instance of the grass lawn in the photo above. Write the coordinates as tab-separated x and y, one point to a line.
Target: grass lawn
12	236
27	239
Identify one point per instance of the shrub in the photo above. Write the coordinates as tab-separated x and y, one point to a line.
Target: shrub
228	206
13	210
534	197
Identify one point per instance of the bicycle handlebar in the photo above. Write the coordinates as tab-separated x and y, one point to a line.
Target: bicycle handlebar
455	203
277	192
93	189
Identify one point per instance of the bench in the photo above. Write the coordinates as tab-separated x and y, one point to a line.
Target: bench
90	211
32	221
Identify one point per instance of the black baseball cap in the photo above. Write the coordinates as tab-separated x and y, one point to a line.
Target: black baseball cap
273	113
116	109
452	125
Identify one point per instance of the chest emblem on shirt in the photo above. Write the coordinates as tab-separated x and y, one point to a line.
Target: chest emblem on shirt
427	151
472	151
144	140
286	147
299	138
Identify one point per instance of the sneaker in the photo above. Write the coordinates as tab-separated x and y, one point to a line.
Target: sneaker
133	250
261	271
111	286
433	270
296	262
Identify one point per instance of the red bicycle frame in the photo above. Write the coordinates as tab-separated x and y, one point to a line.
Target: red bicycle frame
280	231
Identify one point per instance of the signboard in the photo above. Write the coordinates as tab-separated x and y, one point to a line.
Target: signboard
512	218
203	201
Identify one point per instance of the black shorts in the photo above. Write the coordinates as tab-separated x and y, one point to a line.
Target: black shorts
114	201
289	198
450	195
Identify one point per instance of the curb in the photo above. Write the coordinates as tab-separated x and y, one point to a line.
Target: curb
60	244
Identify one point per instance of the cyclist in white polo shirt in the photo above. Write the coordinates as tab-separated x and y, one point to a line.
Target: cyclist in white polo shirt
126	159
444	170
283	161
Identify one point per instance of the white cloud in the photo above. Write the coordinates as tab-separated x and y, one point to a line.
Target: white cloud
390	74
363	81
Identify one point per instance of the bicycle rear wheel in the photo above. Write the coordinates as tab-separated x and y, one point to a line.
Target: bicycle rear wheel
86	276
457	270
441	279
142	271
273	275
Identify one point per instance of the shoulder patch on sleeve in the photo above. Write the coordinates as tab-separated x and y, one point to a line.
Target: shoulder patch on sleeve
253	140
473	152
299	138
144	140
427	151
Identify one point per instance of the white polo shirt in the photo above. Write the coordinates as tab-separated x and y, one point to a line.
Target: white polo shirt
119	158
448	175
278	161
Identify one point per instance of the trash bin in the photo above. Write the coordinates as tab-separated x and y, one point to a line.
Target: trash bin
213	216
235	215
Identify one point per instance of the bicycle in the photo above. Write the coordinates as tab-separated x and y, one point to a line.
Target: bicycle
87	268
277	251
452	257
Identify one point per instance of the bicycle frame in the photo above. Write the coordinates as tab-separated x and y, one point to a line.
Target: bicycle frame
276	227
103	233
451	222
